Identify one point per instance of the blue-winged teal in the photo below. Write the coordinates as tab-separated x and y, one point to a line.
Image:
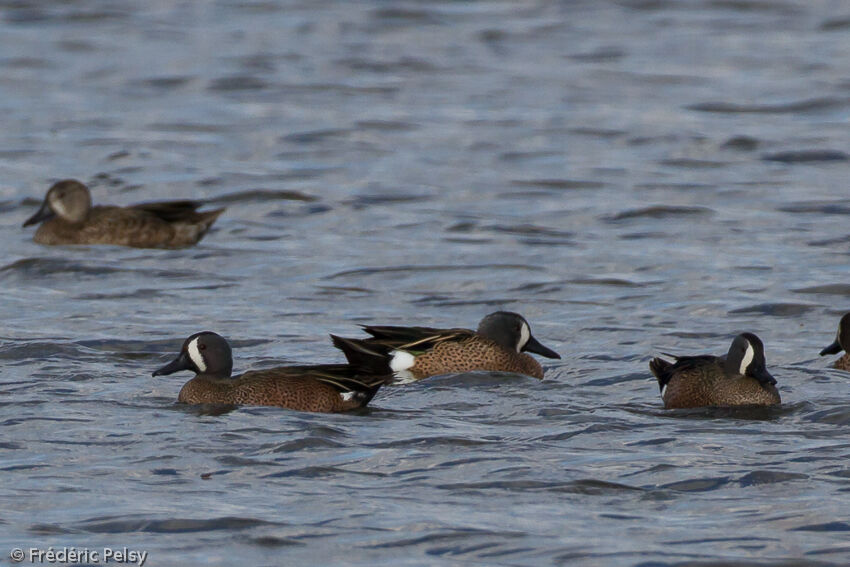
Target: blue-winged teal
319	388
842	342
67	217
497	346
738	379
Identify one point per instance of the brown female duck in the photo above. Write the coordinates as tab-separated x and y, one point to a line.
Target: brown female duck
68	217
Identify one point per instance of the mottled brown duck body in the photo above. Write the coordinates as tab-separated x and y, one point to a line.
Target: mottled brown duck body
740	378
499	345
313	388
67	217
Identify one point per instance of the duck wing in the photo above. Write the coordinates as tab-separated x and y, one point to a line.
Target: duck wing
664	370
170	211
414	338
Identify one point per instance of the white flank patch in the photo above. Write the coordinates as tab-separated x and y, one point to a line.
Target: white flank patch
347	396
401	361
195	355
748	358
663	390
524	335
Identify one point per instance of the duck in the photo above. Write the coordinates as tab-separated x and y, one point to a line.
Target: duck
68	217
498	345
327	388
841	342
737	379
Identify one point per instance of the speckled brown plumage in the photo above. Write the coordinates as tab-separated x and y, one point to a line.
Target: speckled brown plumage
737	379
470	354
68	217
497	346
843	363
292	388
708	385
137	227
317	388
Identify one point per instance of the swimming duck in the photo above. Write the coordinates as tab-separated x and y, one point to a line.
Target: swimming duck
315	388
499	345
737	379
68	217
842	341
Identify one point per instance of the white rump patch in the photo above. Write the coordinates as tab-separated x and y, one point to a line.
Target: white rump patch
663	391
401	361
524	335
748	358
347	396
195	355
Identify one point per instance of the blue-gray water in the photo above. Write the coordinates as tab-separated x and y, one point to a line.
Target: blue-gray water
634	177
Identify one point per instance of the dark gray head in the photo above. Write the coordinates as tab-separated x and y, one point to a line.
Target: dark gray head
842	339
202	353
511	331
68	199
746	357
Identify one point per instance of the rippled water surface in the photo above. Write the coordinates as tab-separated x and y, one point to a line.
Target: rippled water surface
634	177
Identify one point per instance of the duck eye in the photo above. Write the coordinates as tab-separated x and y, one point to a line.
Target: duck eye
202	346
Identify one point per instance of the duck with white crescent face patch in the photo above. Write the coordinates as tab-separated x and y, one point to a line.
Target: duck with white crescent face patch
738	378
319	387
841	343
499	344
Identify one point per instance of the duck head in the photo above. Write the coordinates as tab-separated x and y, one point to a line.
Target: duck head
512	331
202	353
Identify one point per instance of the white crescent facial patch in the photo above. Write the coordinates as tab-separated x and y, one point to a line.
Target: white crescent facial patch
748	358
58	207
195	355
524	335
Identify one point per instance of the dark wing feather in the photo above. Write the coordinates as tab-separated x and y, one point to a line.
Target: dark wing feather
413	338
347	378
664	370
402	334
370	358
688	362
170	211
341	377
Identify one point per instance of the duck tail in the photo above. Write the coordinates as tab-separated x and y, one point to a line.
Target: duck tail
369	390
368	358
662	371
209	217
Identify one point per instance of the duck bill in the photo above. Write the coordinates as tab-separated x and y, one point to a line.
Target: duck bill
764	377
42	214
834	348
533	345
182	362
